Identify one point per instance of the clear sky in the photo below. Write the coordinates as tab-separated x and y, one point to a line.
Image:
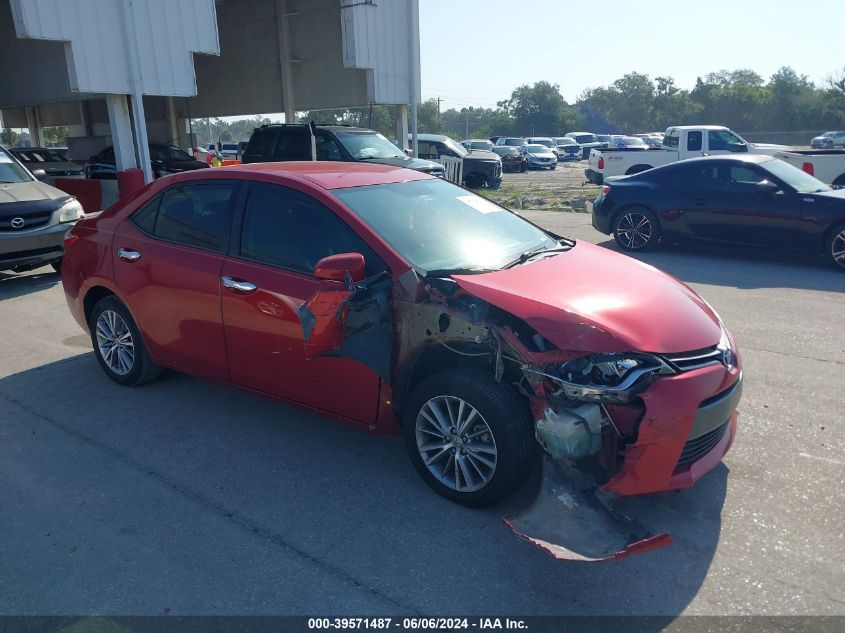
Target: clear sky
475	52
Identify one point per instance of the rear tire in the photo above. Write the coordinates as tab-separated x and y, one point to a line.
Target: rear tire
636	229
118	345
470	438
835	247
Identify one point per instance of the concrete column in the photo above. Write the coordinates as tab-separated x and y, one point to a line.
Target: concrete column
402	126
285	59
121	132
34	127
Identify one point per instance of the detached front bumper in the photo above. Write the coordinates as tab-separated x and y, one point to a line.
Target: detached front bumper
689	424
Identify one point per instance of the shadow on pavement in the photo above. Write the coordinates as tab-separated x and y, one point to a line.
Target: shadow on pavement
741	267
19	284
290	483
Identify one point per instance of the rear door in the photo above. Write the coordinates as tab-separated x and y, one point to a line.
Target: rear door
283	234
167	262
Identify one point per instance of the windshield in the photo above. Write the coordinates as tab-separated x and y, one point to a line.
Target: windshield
631	141
543	141
516	141
168	152
437	225
536	149
503	150
38	156
459	149
11	171
585	138
799	180
604	138
481	145
370	145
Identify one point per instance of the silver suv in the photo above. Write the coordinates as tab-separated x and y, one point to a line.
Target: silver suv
33	218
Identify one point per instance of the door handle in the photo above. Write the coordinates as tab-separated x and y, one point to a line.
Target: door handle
128	255
238	285
699	202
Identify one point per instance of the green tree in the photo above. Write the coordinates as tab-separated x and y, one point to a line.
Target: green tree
539	109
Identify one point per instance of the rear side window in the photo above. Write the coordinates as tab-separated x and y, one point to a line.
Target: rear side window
287	228
260	145
145	219
197	215
694	141
292	144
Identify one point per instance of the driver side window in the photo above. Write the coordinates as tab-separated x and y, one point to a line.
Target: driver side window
287	228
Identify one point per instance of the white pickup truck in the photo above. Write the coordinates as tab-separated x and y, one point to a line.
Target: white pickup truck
679	143
826	165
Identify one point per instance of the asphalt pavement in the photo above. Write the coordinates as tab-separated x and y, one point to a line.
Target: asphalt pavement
187	497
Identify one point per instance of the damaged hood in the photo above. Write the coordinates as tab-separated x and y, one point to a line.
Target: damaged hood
592	299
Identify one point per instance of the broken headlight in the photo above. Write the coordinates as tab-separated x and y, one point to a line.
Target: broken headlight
614	378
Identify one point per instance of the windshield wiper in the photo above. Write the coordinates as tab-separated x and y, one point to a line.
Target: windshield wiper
446	272
561	248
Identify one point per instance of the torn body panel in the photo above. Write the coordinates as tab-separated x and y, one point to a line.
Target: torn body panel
351	320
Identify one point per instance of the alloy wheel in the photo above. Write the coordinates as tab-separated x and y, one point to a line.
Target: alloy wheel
634	230
837	249
456	444
114	342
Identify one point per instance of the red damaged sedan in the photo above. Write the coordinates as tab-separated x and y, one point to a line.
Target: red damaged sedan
397	301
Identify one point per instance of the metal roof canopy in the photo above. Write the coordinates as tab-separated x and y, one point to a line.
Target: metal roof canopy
260	55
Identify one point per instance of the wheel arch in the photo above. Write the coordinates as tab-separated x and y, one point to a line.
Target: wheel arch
638	169
839	181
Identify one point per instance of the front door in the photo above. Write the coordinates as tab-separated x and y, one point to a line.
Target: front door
167	263
284	234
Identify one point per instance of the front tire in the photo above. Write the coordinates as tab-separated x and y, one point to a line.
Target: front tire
470	438
835	247
118	345
636	229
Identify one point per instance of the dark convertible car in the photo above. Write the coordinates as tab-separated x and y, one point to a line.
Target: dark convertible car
750	200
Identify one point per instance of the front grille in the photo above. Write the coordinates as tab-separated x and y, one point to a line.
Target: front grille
31	221
697	447
687	361
57	250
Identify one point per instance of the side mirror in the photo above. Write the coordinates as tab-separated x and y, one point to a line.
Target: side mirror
767	188
39	173
337	267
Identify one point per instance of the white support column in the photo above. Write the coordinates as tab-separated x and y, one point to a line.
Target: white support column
402	126
139	121
121	132
414	43
34	127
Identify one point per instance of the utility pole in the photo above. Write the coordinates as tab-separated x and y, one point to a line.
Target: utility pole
467	134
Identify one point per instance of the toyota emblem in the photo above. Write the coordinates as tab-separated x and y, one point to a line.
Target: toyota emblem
17	223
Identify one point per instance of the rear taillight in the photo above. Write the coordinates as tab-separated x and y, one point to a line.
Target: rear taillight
605	190
808	167
601	162
70	239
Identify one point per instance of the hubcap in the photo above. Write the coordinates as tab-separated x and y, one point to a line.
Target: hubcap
456	444
634	230
114	342
837	249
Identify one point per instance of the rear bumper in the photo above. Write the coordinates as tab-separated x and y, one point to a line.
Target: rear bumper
594	177
31	248
684	433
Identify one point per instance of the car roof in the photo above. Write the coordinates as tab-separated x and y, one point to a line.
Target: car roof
324	174
432	137
697	127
